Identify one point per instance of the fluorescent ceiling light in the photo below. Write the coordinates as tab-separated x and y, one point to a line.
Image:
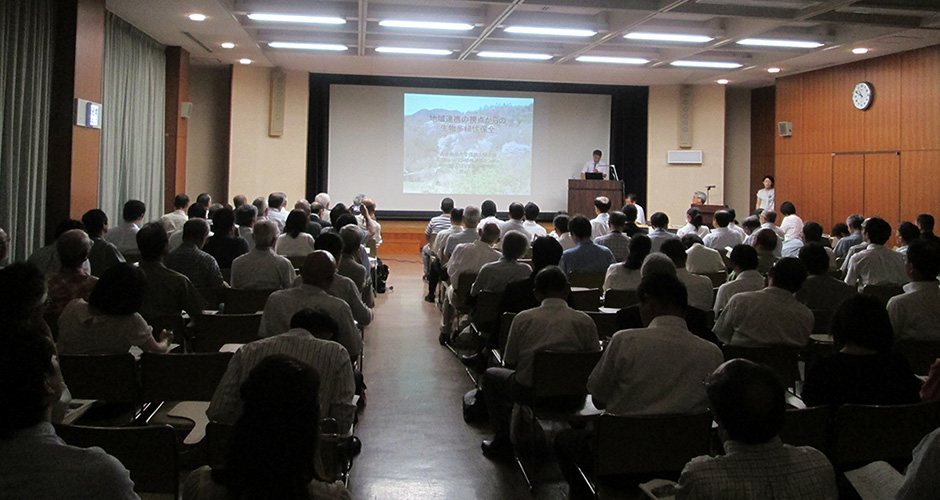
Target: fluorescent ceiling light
773	70
228	45
287	18
197	17
770	42
308	46
245	61
668	37
706	64
723	81
532	30
514	55
859	51
426	25
409	50
612	60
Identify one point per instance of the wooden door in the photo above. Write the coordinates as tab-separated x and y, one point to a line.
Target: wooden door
883	186
848	186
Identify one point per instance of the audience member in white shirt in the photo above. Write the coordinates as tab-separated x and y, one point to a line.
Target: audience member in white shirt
722	236
532	228
877	264
701	259
516	213
907	232
792	224
124	236
600	224
561	232
626	275
640	213
915	315
693	217
261	268
746	276
245	217
812	233
277	209
174	220
700	289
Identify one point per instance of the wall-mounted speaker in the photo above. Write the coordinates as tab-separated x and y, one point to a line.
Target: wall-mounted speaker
186	109
785	129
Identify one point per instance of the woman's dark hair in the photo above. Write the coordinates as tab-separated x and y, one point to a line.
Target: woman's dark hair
273	445
863	320
695	217
640	246
772	182
787	208
119	291
296	223
336	211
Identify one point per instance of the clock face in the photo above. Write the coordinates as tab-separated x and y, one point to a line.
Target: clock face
862	95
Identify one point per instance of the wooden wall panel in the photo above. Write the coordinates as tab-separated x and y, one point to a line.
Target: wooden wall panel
763	137
816	125
790	109
847	122
882	127
920	99
848	186
920	178
882	187
816	188
789	185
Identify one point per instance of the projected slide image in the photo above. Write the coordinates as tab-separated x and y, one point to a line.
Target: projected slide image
467	144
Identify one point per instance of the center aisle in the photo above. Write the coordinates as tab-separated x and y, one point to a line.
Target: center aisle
415	444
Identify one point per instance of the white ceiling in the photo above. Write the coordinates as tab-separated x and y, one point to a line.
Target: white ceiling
884	26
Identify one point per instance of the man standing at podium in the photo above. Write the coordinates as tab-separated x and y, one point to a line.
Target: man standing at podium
591	166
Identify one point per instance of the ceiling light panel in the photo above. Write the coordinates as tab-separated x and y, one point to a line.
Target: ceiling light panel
612	60
333	47
489	54
668	37
290	18
414	51
773	42
535	30
706	64
426	25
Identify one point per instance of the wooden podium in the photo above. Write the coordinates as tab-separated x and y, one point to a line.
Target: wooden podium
708	213
581	194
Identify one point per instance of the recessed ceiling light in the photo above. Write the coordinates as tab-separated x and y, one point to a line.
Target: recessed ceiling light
773	70
410	50
668	37
287	18
197	17
514	55
245	61
308	46
706	64
425	25
722	82
228	45
532	30
770	42
860	50
612	60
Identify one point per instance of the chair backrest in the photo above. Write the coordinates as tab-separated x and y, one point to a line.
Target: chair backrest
108	377
649	445
621	298
585	299
866	433
173	322
242	301
606	323
783	360
586	280
462	293
919	353
211	295
807	427
217	438
718	278
883	292
504	324
558	374
296	260
149	453
486	311
181	377
212	331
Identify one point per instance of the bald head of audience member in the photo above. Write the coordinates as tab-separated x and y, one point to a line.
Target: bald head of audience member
153	241
747	400
546	251
332	243
195	232
319	324
471	216
788	273
601	204
304	206
675	250
515	245
551	283
73	247
489	233
661	295
657	263
264	234
318	269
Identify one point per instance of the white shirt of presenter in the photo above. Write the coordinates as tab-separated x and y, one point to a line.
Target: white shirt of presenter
595	164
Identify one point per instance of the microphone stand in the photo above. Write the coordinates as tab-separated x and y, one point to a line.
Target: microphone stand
615	176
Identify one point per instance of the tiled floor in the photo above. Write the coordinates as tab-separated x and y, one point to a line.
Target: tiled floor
415	444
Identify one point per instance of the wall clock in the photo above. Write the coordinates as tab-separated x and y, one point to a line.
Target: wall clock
862	95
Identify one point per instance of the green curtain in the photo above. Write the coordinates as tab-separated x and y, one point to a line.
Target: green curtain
26	51
131	162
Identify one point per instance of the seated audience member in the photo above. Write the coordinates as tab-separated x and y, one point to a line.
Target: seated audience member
295	242
733	225
272	449
520	295
362	254
437	224
747	400
561	233
109	323
700	289
551	326
746	277
309	340
813	233
531	226
103	253
35	462
245	217
693	225
174	220
124	235
636	374
839	230
750	225
864	370
369	225
926	222
239	200
71	282
324	213
514	223
351	237
494	276
336	212
456	226
792	224
854	222
600	224
168	292
700	259
921	481
23	295
765	242
659	223
191	261
722	236
261	205
313	228
585	257
318	273
467	234
277	210
468	258
915	314
640	213
224	244
626	276
204	199
630	214
877	264
791	247
261	268
768	220
615	240
488	213
317	214
907	232
47	258
343	287
770	316
820	291
196	211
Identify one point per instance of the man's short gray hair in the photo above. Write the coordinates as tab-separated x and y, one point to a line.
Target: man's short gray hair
322	198
263	233
702	196
657	263
352	237
73	247
471	216
515	244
